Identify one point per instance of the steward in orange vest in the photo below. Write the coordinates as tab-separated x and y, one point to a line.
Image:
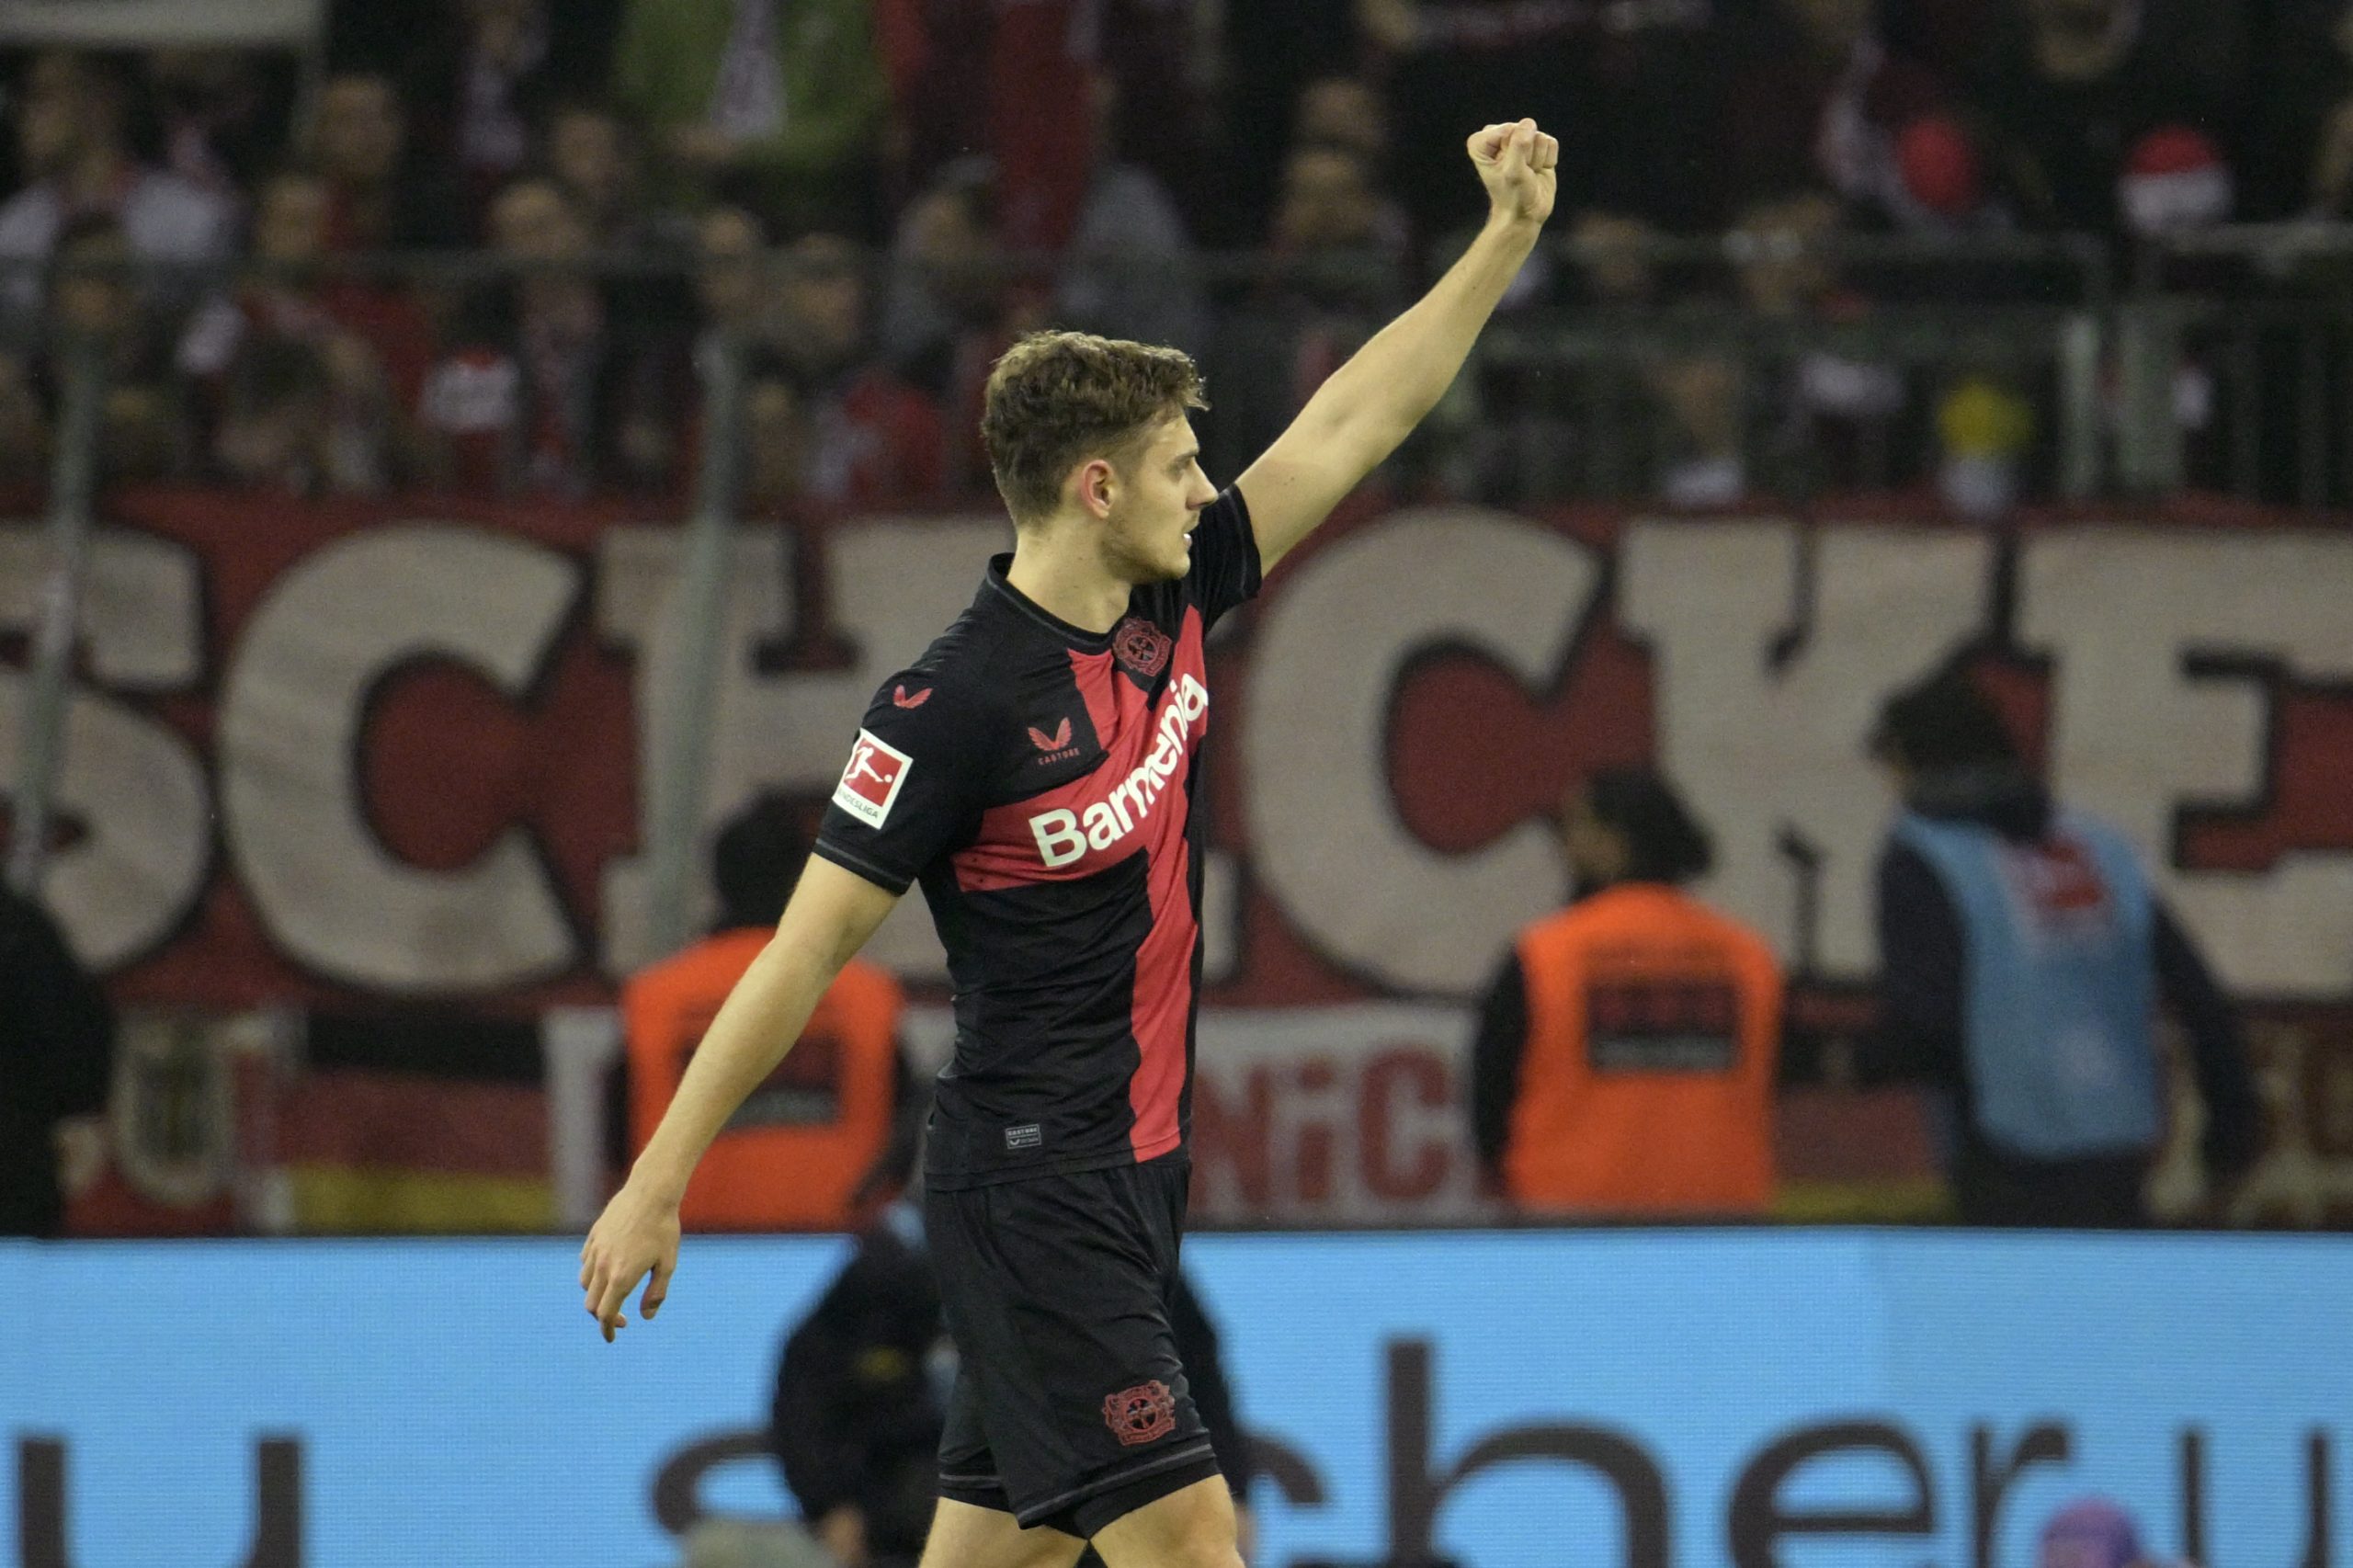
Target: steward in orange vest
1627	1050
814	1147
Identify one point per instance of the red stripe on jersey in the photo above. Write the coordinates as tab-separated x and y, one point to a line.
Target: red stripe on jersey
1100	689
1163	1000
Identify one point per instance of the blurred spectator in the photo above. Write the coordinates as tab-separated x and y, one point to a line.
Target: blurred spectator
1154	54
594	156
224	115
2077	89
935	54
1331	207
1130	270
861	1396
735	285
1817	97
386	195
1019	85
549	390
1627	1047
835	1118
2023	954
1351	115
778	444
57	1058
75	155
272	428
94	306
1271	53
954	303
1941	181
1344	111
504	75
1705	400
1334	272
1788	418
869	440
777	105
863	1391
734	275
1546	427
368	343
2304	113
1616	258
1984	429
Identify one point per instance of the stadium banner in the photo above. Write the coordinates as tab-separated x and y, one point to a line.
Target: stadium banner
1655	1399
376	755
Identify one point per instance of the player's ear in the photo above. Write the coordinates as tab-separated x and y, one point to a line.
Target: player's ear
1093	486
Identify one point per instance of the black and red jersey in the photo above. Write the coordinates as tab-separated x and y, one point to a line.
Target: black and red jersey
1037	780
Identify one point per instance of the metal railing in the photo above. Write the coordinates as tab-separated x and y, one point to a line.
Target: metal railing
2236	363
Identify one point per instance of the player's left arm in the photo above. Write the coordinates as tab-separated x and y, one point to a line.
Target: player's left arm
1372	402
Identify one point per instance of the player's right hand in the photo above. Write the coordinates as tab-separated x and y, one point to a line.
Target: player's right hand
1519	167
636	1235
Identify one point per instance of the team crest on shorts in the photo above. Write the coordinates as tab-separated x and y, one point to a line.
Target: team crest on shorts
1141	646
1142	1414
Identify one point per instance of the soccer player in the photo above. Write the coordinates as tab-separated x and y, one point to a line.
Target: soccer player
1034	771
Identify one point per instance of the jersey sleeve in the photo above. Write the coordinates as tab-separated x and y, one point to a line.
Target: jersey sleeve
1225	558
909	793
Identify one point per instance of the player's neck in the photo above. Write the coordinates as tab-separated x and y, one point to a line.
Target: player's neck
1063	575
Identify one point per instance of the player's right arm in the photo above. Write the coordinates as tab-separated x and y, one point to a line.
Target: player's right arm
907	793
1372	402
832	914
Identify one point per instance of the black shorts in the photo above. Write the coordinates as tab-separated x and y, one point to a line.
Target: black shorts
1070	1408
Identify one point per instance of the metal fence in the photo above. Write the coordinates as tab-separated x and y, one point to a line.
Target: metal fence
2238	346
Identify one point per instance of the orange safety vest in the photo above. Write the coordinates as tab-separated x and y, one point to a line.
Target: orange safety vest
1646	1086
792	1155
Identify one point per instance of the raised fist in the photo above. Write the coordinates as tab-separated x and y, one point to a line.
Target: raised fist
1515	164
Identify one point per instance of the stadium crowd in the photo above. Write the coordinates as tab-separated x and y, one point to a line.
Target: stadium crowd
873	197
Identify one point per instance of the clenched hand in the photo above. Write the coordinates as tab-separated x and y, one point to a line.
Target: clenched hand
1516	163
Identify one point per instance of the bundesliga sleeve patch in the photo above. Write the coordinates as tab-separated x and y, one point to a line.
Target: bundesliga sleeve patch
871	783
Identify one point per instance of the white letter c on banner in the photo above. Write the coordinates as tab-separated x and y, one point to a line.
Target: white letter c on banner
291	708
1325	837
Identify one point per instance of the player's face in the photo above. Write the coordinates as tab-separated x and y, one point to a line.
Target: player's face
1148	537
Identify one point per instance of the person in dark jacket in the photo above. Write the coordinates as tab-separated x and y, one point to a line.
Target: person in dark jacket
56	1059
861	1395
2024	954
